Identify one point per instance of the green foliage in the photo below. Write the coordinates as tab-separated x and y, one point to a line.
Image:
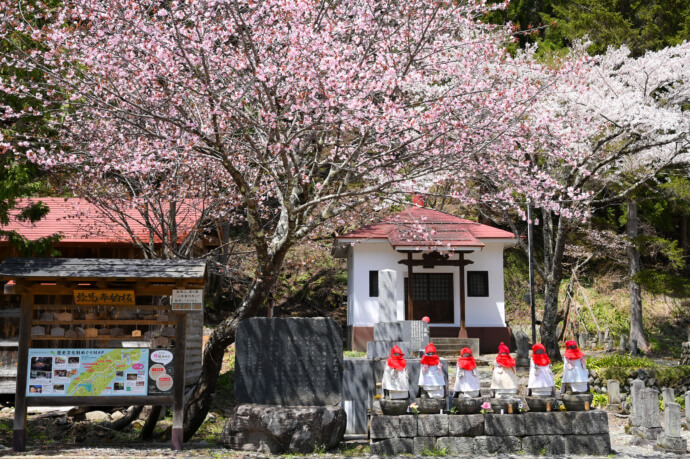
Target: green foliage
671	376
435	452
312	283
619	361
663	283
600	400
680	400
354	354
641	25
18	178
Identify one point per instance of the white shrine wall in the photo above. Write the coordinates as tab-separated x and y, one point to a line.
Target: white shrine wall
375	255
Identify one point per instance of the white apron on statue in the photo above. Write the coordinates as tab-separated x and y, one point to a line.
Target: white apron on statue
504	380
432	380
575	373
541	380
396	382
467	382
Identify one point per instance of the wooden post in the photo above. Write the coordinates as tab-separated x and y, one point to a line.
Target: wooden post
463	332
179	381
410	299
19	429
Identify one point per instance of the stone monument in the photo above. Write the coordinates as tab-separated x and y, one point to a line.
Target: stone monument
613	388
645	419
523	346
672	440
413	332
288	383
388	301
668	395
623	344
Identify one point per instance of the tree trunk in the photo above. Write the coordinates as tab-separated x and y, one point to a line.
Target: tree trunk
635	266
549	324
554	231
223	336
150	424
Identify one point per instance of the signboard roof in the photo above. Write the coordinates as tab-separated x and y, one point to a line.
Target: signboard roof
100	268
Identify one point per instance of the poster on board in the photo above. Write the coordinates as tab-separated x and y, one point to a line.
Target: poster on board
161	371
87	372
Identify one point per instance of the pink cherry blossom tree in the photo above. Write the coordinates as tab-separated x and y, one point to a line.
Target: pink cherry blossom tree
299	110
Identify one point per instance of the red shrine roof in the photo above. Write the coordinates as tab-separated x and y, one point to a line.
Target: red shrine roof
422	228
80	222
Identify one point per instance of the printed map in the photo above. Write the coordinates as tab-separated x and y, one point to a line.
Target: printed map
87	372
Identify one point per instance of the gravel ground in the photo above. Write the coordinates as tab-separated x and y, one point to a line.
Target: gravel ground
623	445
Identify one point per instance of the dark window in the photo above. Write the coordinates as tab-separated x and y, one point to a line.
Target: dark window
373	284
477	283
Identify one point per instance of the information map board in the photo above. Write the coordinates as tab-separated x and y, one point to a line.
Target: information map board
90	372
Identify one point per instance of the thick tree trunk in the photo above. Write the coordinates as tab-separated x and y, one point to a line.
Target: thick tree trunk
223	336
635	266
549	325
554	231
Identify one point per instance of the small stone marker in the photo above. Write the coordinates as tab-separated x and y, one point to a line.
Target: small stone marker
672	440
582	340
667	395
672	419
636	394
613	388
289	362
522	341
687	406
388	301
382	349
633	347
623	343
601	339
609	344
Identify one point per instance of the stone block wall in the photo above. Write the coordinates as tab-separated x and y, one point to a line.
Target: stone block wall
585	432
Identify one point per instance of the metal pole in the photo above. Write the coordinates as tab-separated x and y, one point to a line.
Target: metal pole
530	241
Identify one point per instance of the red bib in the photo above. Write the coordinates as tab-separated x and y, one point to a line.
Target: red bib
540	359
431	360
573	354
397	362
467	363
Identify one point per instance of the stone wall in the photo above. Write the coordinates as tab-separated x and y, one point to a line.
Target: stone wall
585	432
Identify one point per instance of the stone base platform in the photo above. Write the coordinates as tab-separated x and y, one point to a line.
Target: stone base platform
560	433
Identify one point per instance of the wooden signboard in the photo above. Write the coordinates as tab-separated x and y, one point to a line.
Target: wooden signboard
104	297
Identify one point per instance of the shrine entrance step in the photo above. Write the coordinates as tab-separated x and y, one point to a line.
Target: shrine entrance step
450	347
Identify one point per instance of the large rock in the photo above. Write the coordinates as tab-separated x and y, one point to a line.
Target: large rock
279	429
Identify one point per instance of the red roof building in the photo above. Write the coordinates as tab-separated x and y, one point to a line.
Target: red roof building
88	232
456	267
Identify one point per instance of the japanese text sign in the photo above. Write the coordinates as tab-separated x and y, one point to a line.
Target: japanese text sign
104	297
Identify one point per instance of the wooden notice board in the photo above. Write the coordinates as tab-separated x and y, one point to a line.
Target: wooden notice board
104	314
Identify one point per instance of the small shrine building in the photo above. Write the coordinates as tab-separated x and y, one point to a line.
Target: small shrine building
455	267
